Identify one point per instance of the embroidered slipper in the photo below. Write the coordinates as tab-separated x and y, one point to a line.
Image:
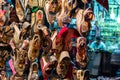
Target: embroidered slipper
81	57
51	8
63	66
39	18
34	46
83	19
83	26
33	73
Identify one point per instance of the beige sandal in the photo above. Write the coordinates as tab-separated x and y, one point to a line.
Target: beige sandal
19	60
80	74
51	8
47	44
19	10
39	17
3	75
33	73
83	19
47	65
34	46
64	65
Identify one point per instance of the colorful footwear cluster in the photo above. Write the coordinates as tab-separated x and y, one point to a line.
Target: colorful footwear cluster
34	46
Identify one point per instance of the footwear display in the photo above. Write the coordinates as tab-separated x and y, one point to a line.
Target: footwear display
59	39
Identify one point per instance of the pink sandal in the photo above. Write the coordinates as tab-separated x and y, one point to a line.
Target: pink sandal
47	67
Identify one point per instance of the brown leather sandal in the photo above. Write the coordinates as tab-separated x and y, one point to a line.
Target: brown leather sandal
34	46
3	75
39	17
33	73
51	7
81	57
48	63
83	18
79	74
19	60
46	44
3	57
64	66
19	10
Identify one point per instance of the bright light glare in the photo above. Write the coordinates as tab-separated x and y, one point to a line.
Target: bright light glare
112	15
118	19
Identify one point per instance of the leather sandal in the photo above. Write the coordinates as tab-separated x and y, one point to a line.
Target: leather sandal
64	66
48	63
19	10
33	73
34	46
81	57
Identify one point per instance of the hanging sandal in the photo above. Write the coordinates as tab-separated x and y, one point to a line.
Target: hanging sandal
19	10
33	73
47	65
19	60
34	46
81	57
47	44
64	68
79	74
83	19
3	57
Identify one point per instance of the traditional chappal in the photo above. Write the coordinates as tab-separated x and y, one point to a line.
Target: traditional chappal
19	10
